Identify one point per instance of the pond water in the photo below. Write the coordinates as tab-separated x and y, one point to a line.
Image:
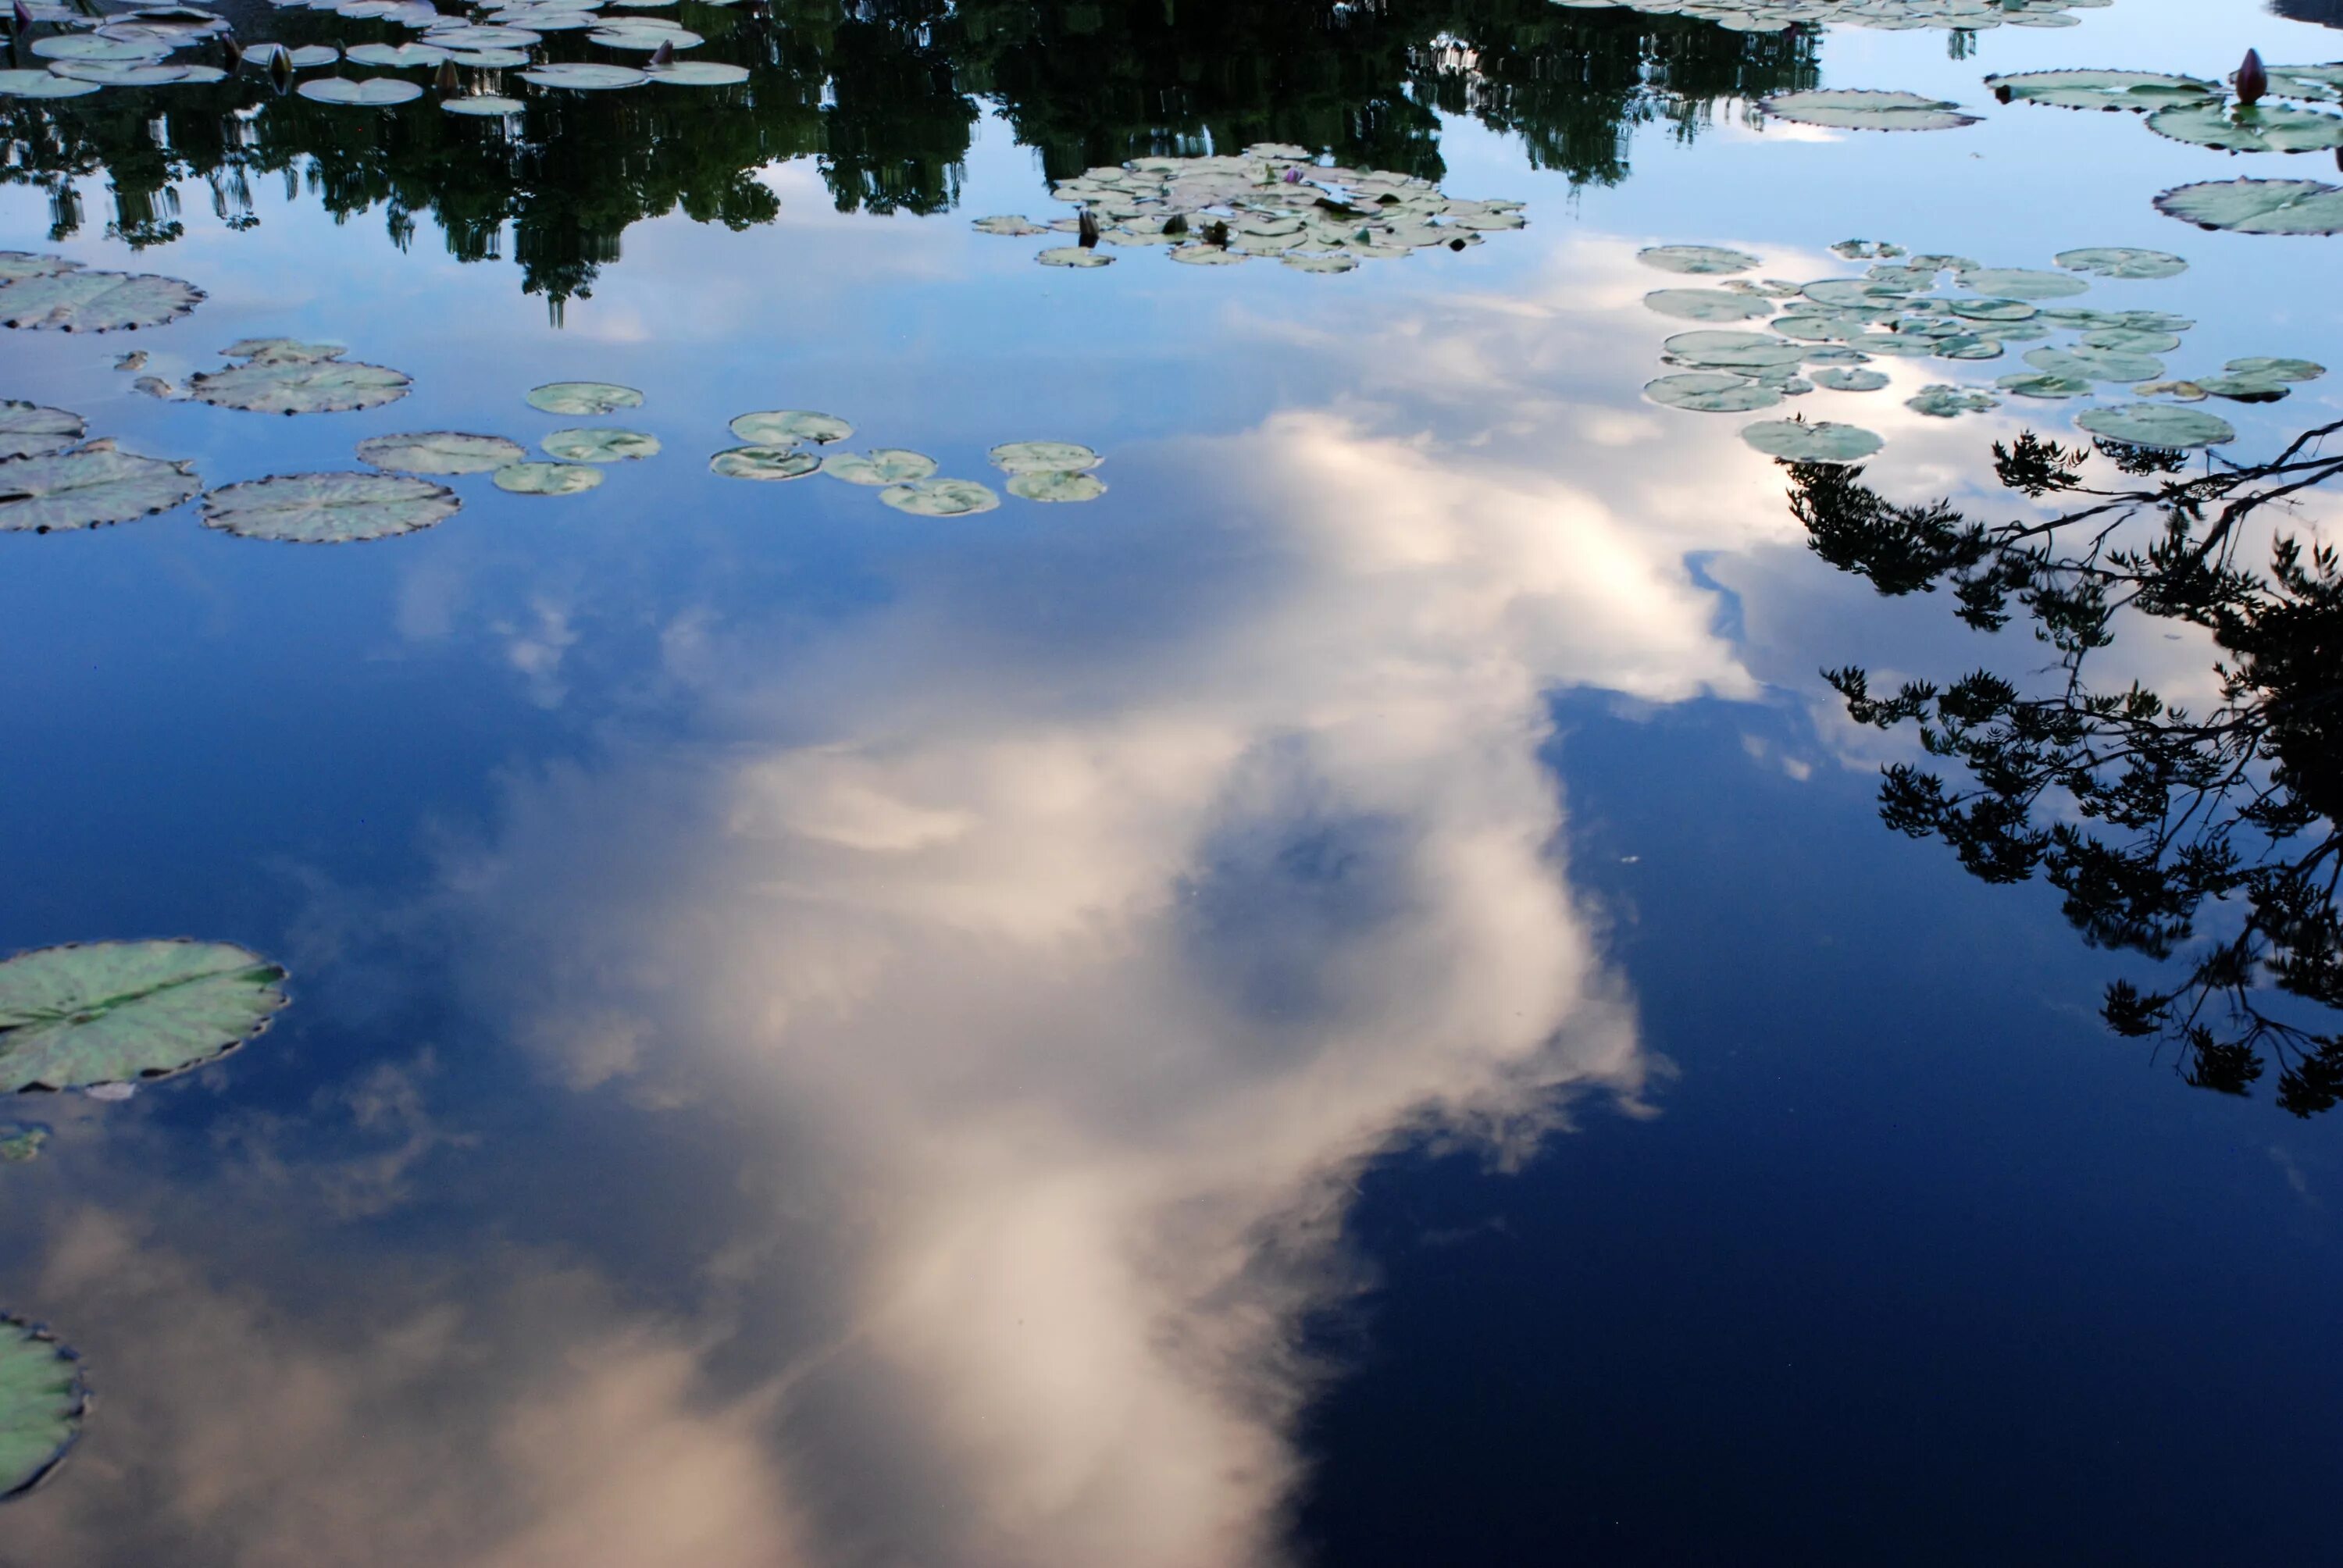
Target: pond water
1320	981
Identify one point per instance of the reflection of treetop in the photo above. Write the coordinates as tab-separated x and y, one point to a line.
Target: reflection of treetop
887	94
2211	835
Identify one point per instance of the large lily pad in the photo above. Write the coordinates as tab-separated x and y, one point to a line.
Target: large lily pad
395	56
112	1012
2096	364
770	461
88	486
41	1401
2244	207
366	92
16	264
27	429
440	452
2162	425
2137	90
1010	225
547	478
90	46
300	387
1057	485
1943	402
483	106
282	351
1718	349
80	301
1700	259
1864	109
17	83
1042	457
583	398
940	497
601	444
1706	303
781	426
880	466
1818	441
329	508
2121	261
1710	392
2275	128
585	78
2024	283
1840	378
698	74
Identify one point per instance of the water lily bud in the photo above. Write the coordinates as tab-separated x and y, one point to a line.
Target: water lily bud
447	81
2252	81
1086	230
663	56
231	51
23	18
280	68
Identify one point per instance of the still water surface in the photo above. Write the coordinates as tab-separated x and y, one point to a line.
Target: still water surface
1345	1001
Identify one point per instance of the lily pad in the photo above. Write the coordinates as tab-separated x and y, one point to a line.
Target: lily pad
1072	256
81	301
2242	206
2254	129
2183	391
42	85
1008	224
2129	340
2270	369
282	351
1706	303
1701	259
329	508
300	387
1836	379
440	452
1195	255
1943	402
2135	90
136	73
1042	457
90	46
1710	392
781	426
1067	485
1820	441
2042	384
2095	364
940	497
1997	311
601	444
770	461
1715	349
112	1012
42	1402
29	431
585	78
397	56
2121	261
547	478
1864	109
880	466
366	92
16	264
583	398
486	106
698	74
88	486
2159	424
2022	283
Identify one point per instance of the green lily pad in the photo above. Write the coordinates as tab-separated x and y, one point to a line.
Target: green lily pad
1866	250
2137	90
80	301
1943	402
1701	259
2130	340
1008	224
782	460
20	1144
1042	457
300	387
1717	349
940	497
1706	303
1710	392
2276	370
2183	391
2159	424
1864	109
2041	384
547	478
29	431
2257	129
88	486
112	1012
2095	364
2121	261
698	74
397	56
90	46
1066	484
781	427
366	92
586	77
1843	380
16	264
2241	206
1820	441
2244	389
601	444
42	1402
42	85
880	466
583	398
440	452
136	73
1994	310
329	508
485	105
2022	283
282	351
1073	255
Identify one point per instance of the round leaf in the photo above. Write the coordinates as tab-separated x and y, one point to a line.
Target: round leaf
88	486
781	427
440	452
2244	206
1820	441
81	301
880	466
2121	261
2159	424
547	478
41	1401
300	387
940	497
329	508
1710	392
601	444
1068	484
27	429
1700	259
112	1012
583	398
786	460
366	92
1863	109
1042	457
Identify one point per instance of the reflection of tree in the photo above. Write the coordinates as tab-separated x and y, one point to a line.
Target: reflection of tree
887	93
2325	12
2142	814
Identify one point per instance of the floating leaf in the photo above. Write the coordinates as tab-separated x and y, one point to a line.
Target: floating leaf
1843	380
485	105
1822	441
601	446
1706	303
880	466
1071	485
2185	391
2139	90
1864	109
42	1402
397	56
781	460
585	78
300	387
1943	402
781	427
16	264
329	508
2130	340
27	429
698	74
88	486
1710	392
136	73
111	1012
547	478
1072	256
1717	350
583	398
2022	283
42	85
90	46
80	301
366	92
2121	261
1042	457
282	351
440	452
940	497
2244	207
2159	425
2276	369
1192	256
1997	311
1008	224
2040	384
1706	259
2095	364
2274	129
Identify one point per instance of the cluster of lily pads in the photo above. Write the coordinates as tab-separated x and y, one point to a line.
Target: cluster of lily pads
779	445
1773	15
84	53
1823	334
2190	109
101	1018
1273	200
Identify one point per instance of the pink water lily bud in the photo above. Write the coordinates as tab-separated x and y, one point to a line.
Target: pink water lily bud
663	56
2252	80
23	18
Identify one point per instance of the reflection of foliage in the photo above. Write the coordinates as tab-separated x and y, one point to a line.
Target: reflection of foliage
2138	811
886	92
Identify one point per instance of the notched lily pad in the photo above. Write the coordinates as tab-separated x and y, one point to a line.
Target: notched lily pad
42	1402
83	301
2121	261
547	478
2242	206
2259	128
1057	485
440	452
300	387
329	508
781	427
2159	424
880	466
17	84
1866	109
2024	283
114	1012
365	93
940	497
29	431
1943	402
89	485
1705	260
1835	379
583	398
601	444
2135	90
1042	457
1818	441
1706	303
1072	256
771	460
1710	392
1012	225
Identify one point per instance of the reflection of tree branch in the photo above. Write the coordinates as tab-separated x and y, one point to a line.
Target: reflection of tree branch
2138	813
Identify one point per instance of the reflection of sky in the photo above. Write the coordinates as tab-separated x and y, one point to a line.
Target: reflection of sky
825	1036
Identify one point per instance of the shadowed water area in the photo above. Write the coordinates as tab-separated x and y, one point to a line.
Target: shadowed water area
1183	785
